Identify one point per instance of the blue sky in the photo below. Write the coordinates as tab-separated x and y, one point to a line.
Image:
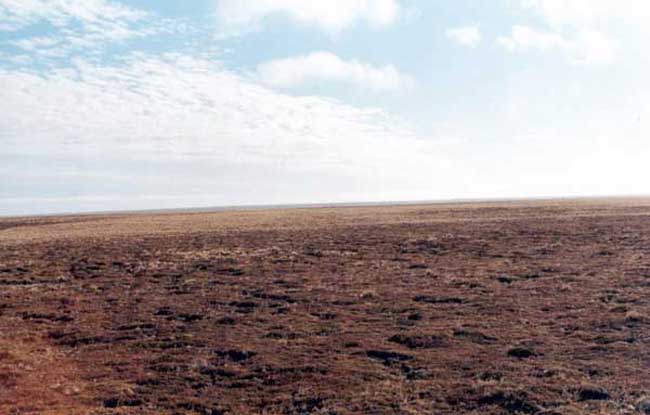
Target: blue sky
108	105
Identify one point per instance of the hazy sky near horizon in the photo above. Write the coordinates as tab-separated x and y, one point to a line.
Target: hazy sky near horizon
138	104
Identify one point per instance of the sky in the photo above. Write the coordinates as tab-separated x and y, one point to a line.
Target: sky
152	104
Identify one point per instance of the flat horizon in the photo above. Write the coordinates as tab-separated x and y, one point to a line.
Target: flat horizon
316	205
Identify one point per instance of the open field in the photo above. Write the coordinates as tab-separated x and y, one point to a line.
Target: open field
479	308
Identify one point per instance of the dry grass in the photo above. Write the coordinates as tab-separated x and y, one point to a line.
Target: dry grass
521	307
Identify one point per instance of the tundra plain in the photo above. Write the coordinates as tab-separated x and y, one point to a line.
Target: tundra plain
526	307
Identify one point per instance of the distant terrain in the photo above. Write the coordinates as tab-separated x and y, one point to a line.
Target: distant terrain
539	307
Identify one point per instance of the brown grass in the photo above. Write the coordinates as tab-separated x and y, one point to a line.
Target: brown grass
520	307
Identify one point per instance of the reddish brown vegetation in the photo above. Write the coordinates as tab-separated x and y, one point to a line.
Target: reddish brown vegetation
530	308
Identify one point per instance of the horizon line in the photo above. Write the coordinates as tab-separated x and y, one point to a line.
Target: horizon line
322	205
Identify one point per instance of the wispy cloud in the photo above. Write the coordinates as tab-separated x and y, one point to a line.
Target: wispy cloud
157	114
180	106
75	26
524	38
87	122
469	36
591	12
319	67
586	47
18	14
584	31
333	16
152	112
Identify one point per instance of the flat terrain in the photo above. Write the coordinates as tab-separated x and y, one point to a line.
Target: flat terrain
484	308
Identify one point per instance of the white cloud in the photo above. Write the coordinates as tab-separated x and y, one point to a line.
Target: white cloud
524	38
586	47
180	107
236	16
591	31
589	12
469	36
77	25
17	14
594	47
185	128
168	130
35	43
320	67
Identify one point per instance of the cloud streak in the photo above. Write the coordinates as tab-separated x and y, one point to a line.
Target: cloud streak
326	67
333	16
587	47
468	36
590	12
177	110
78	26
18	14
